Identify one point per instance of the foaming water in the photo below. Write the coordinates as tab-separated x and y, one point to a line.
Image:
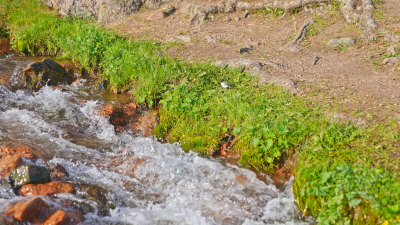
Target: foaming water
136	180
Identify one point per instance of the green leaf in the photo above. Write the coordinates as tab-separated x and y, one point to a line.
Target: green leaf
255	142
354	202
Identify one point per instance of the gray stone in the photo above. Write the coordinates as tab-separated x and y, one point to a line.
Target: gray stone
333	43
184	38
240	63
29	174
347	41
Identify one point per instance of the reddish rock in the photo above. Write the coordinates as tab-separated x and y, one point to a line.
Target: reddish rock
59	217
9	163
107	110
119	129
50	188
130	109
58	172
284	173
23	151
37	211
145	124
5	80
33	210
56	87
76	83
241	178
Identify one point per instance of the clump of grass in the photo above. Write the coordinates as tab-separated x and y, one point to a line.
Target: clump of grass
345	174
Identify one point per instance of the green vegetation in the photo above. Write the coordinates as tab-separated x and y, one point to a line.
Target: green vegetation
345	174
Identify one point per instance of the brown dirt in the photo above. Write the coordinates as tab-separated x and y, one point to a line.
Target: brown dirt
347	79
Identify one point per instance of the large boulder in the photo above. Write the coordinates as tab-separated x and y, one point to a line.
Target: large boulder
47	72
104	11
29	174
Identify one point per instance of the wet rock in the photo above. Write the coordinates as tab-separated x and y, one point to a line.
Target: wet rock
37	211
392	61
119	115
29	174
5	79
116	115
50	188
9	163
58	172
240	63
130	109
99	85
5	219
47	72
34	210
98	195
144	124
23	151
59	217
224	147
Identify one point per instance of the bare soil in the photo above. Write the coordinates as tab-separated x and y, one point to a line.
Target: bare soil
353	80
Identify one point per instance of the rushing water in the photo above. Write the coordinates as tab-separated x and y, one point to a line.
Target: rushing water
137	180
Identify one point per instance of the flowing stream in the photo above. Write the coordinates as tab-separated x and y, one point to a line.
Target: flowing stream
126	178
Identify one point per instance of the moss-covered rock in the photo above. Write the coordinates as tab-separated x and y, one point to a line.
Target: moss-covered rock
29	174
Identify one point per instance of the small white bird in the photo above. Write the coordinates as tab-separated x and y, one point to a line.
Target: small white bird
224	84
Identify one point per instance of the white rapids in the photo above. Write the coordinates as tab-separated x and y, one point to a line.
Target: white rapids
142	181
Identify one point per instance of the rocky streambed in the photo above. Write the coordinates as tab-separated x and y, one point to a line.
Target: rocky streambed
70	154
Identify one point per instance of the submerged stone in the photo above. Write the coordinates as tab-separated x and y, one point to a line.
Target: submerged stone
29	174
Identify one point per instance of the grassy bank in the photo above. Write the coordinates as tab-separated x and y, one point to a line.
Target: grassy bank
345	174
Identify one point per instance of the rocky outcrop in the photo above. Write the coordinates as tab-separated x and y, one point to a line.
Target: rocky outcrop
103	11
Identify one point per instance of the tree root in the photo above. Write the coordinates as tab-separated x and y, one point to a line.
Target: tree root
294	45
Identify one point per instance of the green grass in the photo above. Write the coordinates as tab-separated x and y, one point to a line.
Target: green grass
345	174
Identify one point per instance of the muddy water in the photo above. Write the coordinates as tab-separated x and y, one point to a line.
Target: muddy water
128	179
